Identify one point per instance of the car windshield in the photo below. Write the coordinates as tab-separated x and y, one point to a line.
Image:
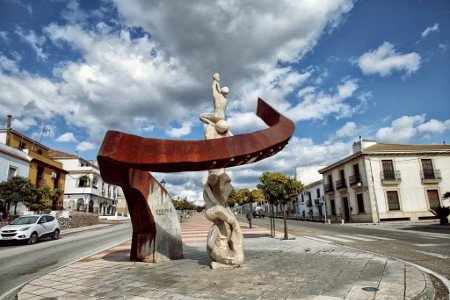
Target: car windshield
24	220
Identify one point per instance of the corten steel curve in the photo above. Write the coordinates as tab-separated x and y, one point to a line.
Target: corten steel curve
125	160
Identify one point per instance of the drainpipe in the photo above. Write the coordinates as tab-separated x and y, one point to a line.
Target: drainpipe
8	130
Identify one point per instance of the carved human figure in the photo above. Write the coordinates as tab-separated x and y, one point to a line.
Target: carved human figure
225	237
220	102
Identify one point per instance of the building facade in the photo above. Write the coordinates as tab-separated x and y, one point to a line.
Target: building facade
311	204
85	190
381	182
42	170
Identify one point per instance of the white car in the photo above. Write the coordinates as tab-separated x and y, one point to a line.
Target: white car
31	228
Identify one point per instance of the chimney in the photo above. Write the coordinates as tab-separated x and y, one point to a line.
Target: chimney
8	129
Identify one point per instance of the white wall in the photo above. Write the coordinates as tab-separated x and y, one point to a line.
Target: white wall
7	161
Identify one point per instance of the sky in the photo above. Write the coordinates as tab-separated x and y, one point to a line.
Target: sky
340	69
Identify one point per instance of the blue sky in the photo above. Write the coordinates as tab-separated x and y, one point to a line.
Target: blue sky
339	69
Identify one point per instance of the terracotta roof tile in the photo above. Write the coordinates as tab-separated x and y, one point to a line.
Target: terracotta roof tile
398	147
60	154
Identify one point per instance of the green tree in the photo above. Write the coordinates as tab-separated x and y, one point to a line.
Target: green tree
49	198
279	189
18	189
233	198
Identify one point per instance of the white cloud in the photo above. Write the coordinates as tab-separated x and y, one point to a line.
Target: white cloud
430	29
4	37
434	126
23	124
85	146
385	60
185	129
7	64
319	104
67	137
347	130
34	41
245	122
124	83
402	130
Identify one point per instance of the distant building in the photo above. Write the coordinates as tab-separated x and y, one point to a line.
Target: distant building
381	182
85	190
42	170
311	201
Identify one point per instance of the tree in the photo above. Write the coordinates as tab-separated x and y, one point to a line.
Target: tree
233	198
279	189
50	198
18	189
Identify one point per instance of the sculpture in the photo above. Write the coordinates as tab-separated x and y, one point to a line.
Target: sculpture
125	160
224	244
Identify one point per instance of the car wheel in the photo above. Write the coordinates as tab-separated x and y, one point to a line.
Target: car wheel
55	234
33	238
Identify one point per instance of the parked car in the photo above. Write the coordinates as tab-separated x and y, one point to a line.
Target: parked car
259	212
30	229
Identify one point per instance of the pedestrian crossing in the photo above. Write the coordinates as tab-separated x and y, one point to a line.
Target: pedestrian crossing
342	238
194	230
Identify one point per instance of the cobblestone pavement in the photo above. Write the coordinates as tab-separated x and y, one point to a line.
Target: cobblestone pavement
273	269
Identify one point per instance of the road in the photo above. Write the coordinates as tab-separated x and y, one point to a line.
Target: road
22	263
414	243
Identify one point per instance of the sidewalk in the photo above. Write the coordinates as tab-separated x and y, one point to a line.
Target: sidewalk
272	269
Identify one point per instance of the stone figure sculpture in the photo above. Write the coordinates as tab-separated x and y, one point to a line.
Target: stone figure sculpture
224	244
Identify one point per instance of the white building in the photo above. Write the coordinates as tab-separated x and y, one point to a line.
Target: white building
308	204
381	182
311	201
13	162
84	188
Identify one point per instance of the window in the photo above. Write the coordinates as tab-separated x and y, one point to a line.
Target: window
393	202
318	193
12	172
433	198
84	181
40	176
95	182
388	169
22	145
50	218
427	166
360	200
303	198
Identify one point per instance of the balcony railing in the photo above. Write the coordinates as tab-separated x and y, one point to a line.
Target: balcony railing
328	187
340	184
392	177
355	180
431	176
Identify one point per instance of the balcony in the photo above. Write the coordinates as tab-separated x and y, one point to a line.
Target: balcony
309	203
340	184
328	188
432	176
392	177
317	201
355	181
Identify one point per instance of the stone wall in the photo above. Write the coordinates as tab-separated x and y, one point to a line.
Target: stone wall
78	219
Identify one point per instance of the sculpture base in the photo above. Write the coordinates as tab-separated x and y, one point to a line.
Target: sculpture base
224	244
219	266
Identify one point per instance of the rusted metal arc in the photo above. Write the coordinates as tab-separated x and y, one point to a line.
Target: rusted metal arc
158	155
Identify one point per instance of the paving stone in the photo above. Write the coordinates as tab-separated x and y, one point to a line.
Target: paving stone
273	269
